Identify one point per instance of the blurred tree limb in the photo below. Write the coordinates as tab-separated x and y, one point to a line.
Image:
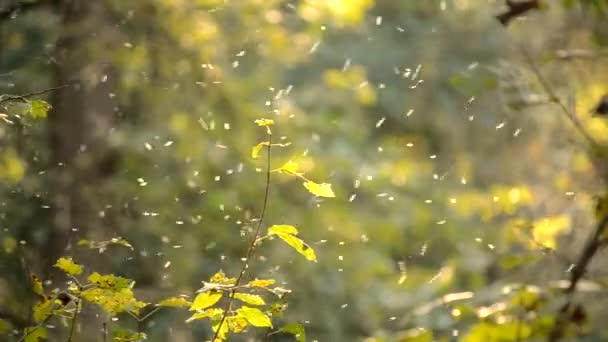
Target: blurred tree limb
516	9
8	11
565	314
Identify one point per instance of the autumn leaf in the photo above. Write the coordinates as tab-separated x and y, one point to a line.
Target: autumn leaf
68	266
255	317
205	300
321	190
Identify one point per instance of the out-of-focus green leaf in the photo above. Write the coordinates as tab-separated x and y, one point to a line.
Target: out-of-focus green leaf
297	330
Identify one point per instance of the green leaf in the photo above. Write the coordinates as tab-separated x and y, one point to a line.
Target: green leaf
175	302
126	335
510	331
299	245
35	334
321	190
282	229
417	335
205	300
255	317
255	151
261	282
297	330
5	326
68	266
211	313
250	298
39	108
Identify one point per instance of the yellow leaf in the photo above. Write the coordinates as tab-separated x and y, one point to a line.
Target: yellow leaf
282	229
321	190
205	300
261	282
236	323
175	302
212	313
255	317
68	266
264	122
220	278
547	230
299	245
42	309
250	298
222	327
255	151
290	167
37	285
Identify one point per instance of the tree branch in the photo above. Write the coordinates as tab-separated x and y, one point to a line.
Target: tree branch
516	9
580	267
16	7
554	98
252	244
24	97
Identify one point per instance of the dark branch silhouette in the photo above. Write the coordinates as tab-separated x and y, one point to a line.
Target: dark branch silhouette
24	97
15	8
517	9
565	314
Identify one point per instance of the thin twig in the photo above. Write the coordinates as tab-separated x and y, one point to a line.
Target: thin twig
73	323
252	244
580	267
554	98
24	97
104	331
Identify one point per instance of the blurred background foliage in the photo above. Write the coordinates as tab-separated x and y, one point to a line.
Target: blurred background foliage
463	195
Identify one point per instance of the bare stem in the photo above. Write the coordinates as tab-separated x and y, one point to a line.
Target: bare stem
252	244
24	97
73	323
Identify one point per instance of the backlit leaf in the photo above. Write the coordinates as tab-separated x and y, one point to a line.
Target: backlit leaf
237	323
222	327
175	302
205	300
213	313
282	229
264	122
250	298
255	317
261	282
255	151
68	266
321	190
290	167
35	334
299	245
39	108
297	330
